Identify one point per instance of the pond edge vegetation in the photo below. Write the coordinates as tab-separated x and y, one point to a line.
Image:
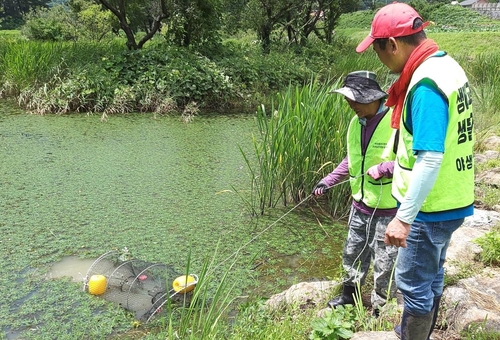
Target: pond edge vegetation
288	91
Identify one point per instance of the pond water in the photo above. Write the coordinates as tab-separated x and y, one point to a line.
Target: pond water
74	187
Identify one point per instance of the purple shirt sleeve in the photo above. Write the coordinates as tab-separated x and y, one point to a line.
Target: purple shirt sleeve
386	169
341	172
337	175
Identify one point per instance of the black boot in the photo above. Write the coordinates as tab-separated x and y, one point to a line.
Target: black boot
416	327
347	297
435	310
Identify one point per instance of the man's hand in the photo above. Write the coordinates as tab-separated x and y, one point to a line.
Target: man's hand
373	172
319	189
396	233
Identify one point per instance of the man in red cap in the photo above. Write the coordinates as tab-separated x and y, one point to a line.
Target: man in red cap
434	170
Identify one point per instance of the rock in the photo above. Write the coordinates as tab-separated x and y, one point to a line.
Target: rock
488	155
482	218
375	336
490	177
474	300
491	143
461	249
480	158
303	294
436	335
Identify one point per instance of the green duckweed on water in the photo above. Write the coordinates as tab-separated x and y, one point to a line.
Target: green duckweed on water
75	186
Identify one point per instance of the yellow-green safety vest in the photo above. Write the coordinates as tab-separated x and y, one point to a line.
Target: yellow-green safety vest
380	148
454	186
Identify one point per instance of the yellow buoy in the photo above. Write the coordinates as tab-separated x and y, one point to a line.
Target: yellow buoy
183	284
97	284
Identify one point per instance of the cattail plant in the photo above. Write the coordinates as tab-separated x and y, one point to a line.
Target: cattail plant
301	139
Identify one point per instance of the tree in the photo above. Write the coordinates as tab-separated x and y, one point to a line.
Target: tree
78	19
195	22
53	3
187	22
90	20
264	16
298	18
319	17
13	11
54	24
302	21
233	15
333	11
133	14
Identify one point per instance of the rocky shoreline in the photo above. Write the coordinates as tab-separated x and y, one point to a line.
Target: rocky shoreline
471	301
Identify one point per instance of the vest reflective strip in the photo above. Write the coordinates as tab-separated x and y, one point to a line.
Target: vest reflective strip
375	194
454	187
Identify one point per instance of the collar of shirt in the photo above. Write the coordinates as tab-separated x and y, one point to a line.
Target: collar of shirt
381	108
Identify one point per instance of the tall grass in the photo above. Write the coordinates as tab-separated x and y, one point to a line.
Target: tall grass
300	141
25	64
484	76
257	322
204	314
467	43
22	68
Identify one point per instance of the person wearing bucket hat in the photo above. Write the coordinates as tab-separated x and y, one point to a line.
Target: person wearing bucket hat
434	169
371	151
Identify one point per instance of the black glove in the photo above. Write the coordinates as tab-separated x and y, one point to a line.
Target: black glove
319	189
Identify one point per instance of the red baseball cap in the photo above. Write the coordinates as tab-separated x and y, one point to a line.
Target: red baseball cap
393	20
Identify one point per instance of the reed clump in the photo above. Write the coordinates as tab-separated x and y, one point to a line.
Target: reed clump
301	139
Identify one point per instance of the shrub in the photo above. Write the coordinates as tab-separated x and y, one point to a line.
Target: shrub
336	324
48	25
179	73
490	243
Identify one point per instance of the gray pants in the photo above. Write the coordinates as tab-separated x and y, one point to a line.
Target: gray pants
364	242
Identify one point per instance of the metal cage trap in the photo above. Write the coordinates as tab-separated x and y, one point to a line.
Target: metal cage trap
136	285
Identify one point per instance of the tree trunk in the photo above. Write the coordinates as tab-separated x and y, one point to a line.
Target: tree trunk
120	12
265	38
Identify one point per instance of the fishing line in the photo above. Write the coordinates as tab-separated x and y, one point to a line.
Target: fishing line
279	219
367	230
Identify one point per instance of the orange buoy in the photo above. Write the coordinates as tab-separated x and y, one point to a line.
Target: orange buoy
97	284
184	284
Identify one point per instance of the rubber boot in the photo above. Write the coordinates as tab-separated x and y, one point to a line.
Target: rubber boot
347	297
435	310
416	327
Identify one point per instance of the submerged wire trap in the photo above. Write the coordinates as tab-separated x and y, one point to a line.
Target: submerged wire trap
136	285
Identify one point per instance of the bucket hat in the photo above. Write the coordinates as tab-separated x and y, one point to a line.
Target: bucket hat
361	87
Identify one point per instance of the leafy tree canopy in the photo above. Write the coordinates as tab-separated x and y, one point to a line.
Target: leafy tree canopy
13	11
